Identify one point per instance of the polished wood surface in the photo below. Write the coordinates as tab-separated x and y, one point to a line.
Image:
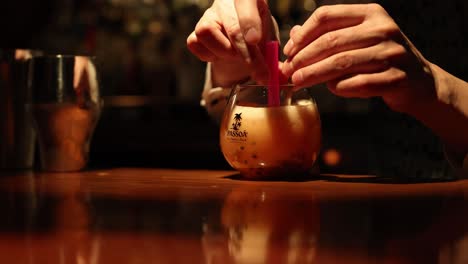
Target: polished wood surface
130	215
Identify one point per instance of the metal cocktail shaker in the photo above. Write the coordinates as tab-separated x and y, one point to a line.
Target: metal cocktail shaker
65	107
17	137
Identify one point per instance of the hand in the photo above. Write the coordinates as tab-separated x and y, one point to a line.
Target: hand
359	51
231	35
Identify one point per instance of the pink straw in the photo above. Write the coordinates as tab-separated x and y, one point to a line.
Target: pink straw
272	50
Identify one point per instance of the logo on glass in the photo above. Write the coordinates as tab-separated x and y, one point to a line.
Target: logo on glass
237	121
234	132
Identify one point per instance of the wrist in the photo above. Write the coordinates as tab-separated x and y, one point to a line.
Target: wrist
445	113
421	90
451	90
415	96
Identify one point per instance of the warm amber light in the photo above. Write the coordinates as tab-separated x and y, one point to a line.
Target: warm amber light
263	141
331	157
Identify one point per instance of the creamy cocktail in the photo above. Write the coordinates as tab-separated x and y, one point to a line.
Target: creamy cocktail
261	141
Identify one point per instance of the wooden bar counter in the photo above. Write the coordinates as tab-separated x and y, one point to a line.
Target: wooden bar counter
132	215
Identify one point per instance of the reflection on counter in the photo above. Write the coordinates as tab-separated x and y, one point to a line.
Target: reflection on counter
260	227
265	227
129	216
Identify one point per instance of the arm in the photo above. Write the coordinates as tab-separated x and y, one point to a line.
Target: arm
447	116
359	51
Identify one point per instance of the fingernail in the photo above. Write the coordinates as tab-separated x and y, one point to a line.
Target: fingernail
298	78
283	78
287	49
289	67
286	69
252	36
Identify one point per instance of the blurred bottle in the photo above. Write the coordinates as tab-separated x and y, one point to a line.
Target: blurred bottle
17	138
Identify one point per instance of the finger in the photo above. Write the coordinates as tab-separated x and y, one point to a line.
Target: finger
261	75
283	79
367	60
332	43
294	30
210	33
259	67
323	20
198	49
248	12
287	48
369	84
231	26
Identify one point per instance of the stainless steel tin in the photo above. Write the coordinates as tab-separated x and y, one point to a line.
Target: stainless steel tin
65	107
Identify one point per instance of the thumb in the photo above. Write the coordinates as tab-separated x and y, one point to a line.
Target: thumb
252	14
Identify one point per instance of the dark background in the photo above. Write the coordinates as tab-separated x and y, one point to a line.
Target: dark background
151	84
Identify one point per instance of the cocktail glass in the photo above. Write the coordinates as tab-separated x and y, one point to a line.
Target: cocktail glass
263	141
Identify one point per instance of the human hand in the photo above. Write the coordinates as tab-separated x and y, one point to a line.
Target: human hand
232	35
359	51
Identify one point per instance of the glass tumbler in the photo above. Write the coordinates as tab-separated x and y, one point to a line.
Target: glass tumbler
263	141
